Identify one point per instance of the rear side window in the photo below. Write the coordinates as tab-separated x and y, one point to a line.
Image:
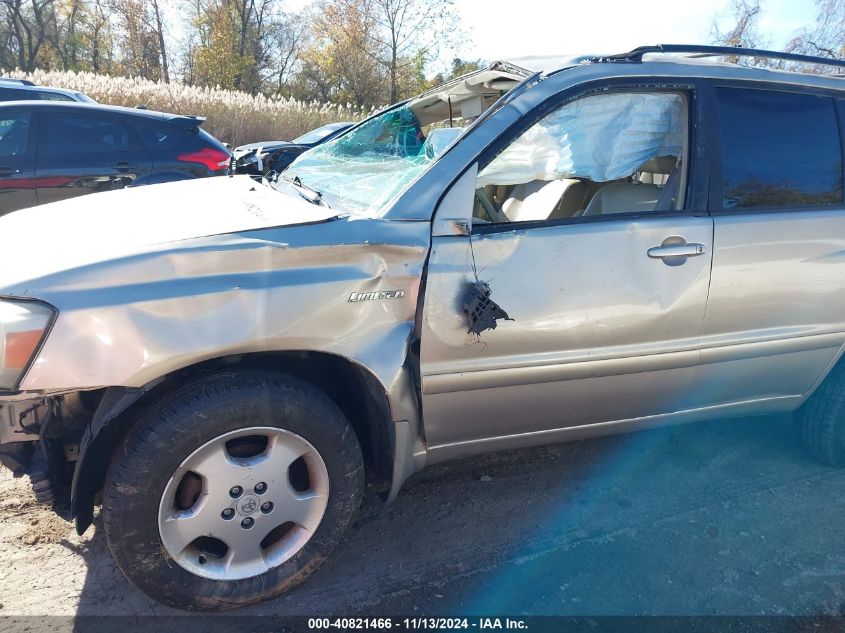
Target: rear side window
14	133
43	95
156	134
779	149
71	133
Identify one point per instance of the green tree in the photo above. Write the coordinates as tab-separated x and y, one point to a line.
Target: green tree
217	60
336	65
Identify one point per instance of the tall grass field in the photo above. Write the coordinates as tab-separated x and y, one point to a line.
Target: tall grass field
233	117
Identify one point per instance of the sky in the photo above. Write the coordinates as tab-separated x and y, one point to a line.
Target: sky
506	29
502	29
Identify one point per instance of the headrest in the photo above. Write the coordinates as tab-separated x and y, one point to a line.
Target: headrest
659	165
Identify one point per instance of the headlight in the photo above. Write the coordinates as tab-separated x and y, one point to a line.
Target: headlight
22	328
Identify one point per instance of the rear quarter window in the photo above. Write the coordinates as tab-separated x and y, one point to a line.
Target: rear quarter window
44	95
779	149
159	135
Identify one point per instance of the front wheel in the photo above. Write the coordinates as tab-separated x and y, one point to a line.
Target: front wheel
231	490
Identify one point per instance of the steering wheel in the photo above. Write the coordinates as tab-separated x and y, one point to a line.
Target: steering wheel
493	212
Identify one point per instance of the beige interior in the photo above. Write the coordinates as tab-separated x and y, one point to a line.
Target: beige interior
657	184
571	197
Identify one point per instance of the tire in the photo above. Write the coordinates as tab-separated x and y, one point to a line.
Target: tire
821	420
193	423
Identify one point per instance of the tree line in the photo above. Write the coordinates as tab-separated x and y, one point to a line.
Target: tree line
824	37
363	52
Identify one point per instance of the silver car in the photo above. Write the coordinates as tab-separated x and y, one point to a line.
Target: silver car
543	250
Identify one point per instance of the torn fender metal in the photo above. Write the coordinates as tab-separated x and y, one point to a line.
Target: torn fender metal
133	309
137	318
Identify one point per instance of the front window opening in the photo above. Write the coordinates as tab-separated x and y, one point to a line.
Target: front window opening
598	155
363	170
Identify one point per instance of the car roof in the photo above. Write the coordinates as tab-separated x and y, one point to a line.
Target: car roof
335	126
15	84
98	107
338	125
685	55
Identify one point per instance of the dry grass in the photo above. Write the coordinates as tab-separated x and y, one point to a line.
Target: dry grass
233	117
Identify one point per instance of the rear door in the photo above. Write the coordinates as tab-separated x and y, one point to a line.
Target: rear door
85	151
776	312
17	159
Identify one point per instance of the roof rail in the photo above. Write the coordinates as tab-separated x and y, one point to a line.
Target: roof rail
636	55
23	82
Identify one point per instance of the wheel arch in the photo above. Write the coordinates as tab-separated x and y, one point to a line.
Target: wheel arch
366	404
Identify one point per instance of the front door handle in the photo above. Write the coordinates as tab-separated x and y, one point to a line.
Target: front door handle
9	171
675	249
690	249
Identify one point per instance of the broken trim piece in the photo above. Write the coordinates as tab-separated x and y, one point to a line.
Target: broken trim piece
482	312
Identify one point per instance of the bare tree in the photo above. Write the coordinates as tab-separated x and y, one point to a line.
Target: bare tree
157	27
407	35
100	37
745	32
826	36
27	29
63	21
287	38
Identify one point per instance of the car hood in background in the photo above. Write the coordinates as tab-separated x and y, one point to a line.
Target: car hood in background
267	146
84	231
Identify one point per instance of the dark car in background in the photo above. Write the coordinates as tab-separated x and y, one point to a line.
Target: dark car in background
51	151
25	90
261	158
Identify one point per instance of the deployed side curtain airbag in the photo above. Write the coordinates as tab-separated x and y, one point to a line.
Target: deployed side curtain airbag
602	137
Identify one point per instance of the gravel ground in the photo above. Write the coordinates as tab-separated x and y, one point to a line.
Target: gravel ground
728	518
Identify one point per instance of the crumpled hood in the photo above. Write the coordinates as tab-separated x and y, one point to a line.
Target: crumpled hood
99	227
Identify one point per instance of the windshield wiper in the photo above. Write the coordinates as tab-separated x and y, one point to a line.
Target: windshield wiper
309	193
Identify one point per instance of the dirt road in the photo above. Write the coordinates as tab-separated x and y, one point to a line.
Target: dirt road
728	517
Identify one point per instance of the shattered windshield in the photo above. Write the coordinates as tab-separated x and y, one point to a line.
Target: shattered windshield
360	172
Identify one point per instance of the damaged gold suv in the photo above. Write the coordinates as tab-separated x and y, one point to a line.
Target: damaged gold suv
544	250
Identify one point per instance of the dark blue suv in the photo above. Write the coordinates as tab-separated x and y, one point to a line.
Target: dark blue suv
54	150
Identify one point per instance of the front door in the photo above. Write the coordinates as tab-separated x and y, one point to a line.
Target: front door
585	232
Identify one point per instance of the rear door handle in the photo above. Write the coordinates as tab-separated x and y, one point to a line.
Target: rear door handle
124	166
9	171
690	249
